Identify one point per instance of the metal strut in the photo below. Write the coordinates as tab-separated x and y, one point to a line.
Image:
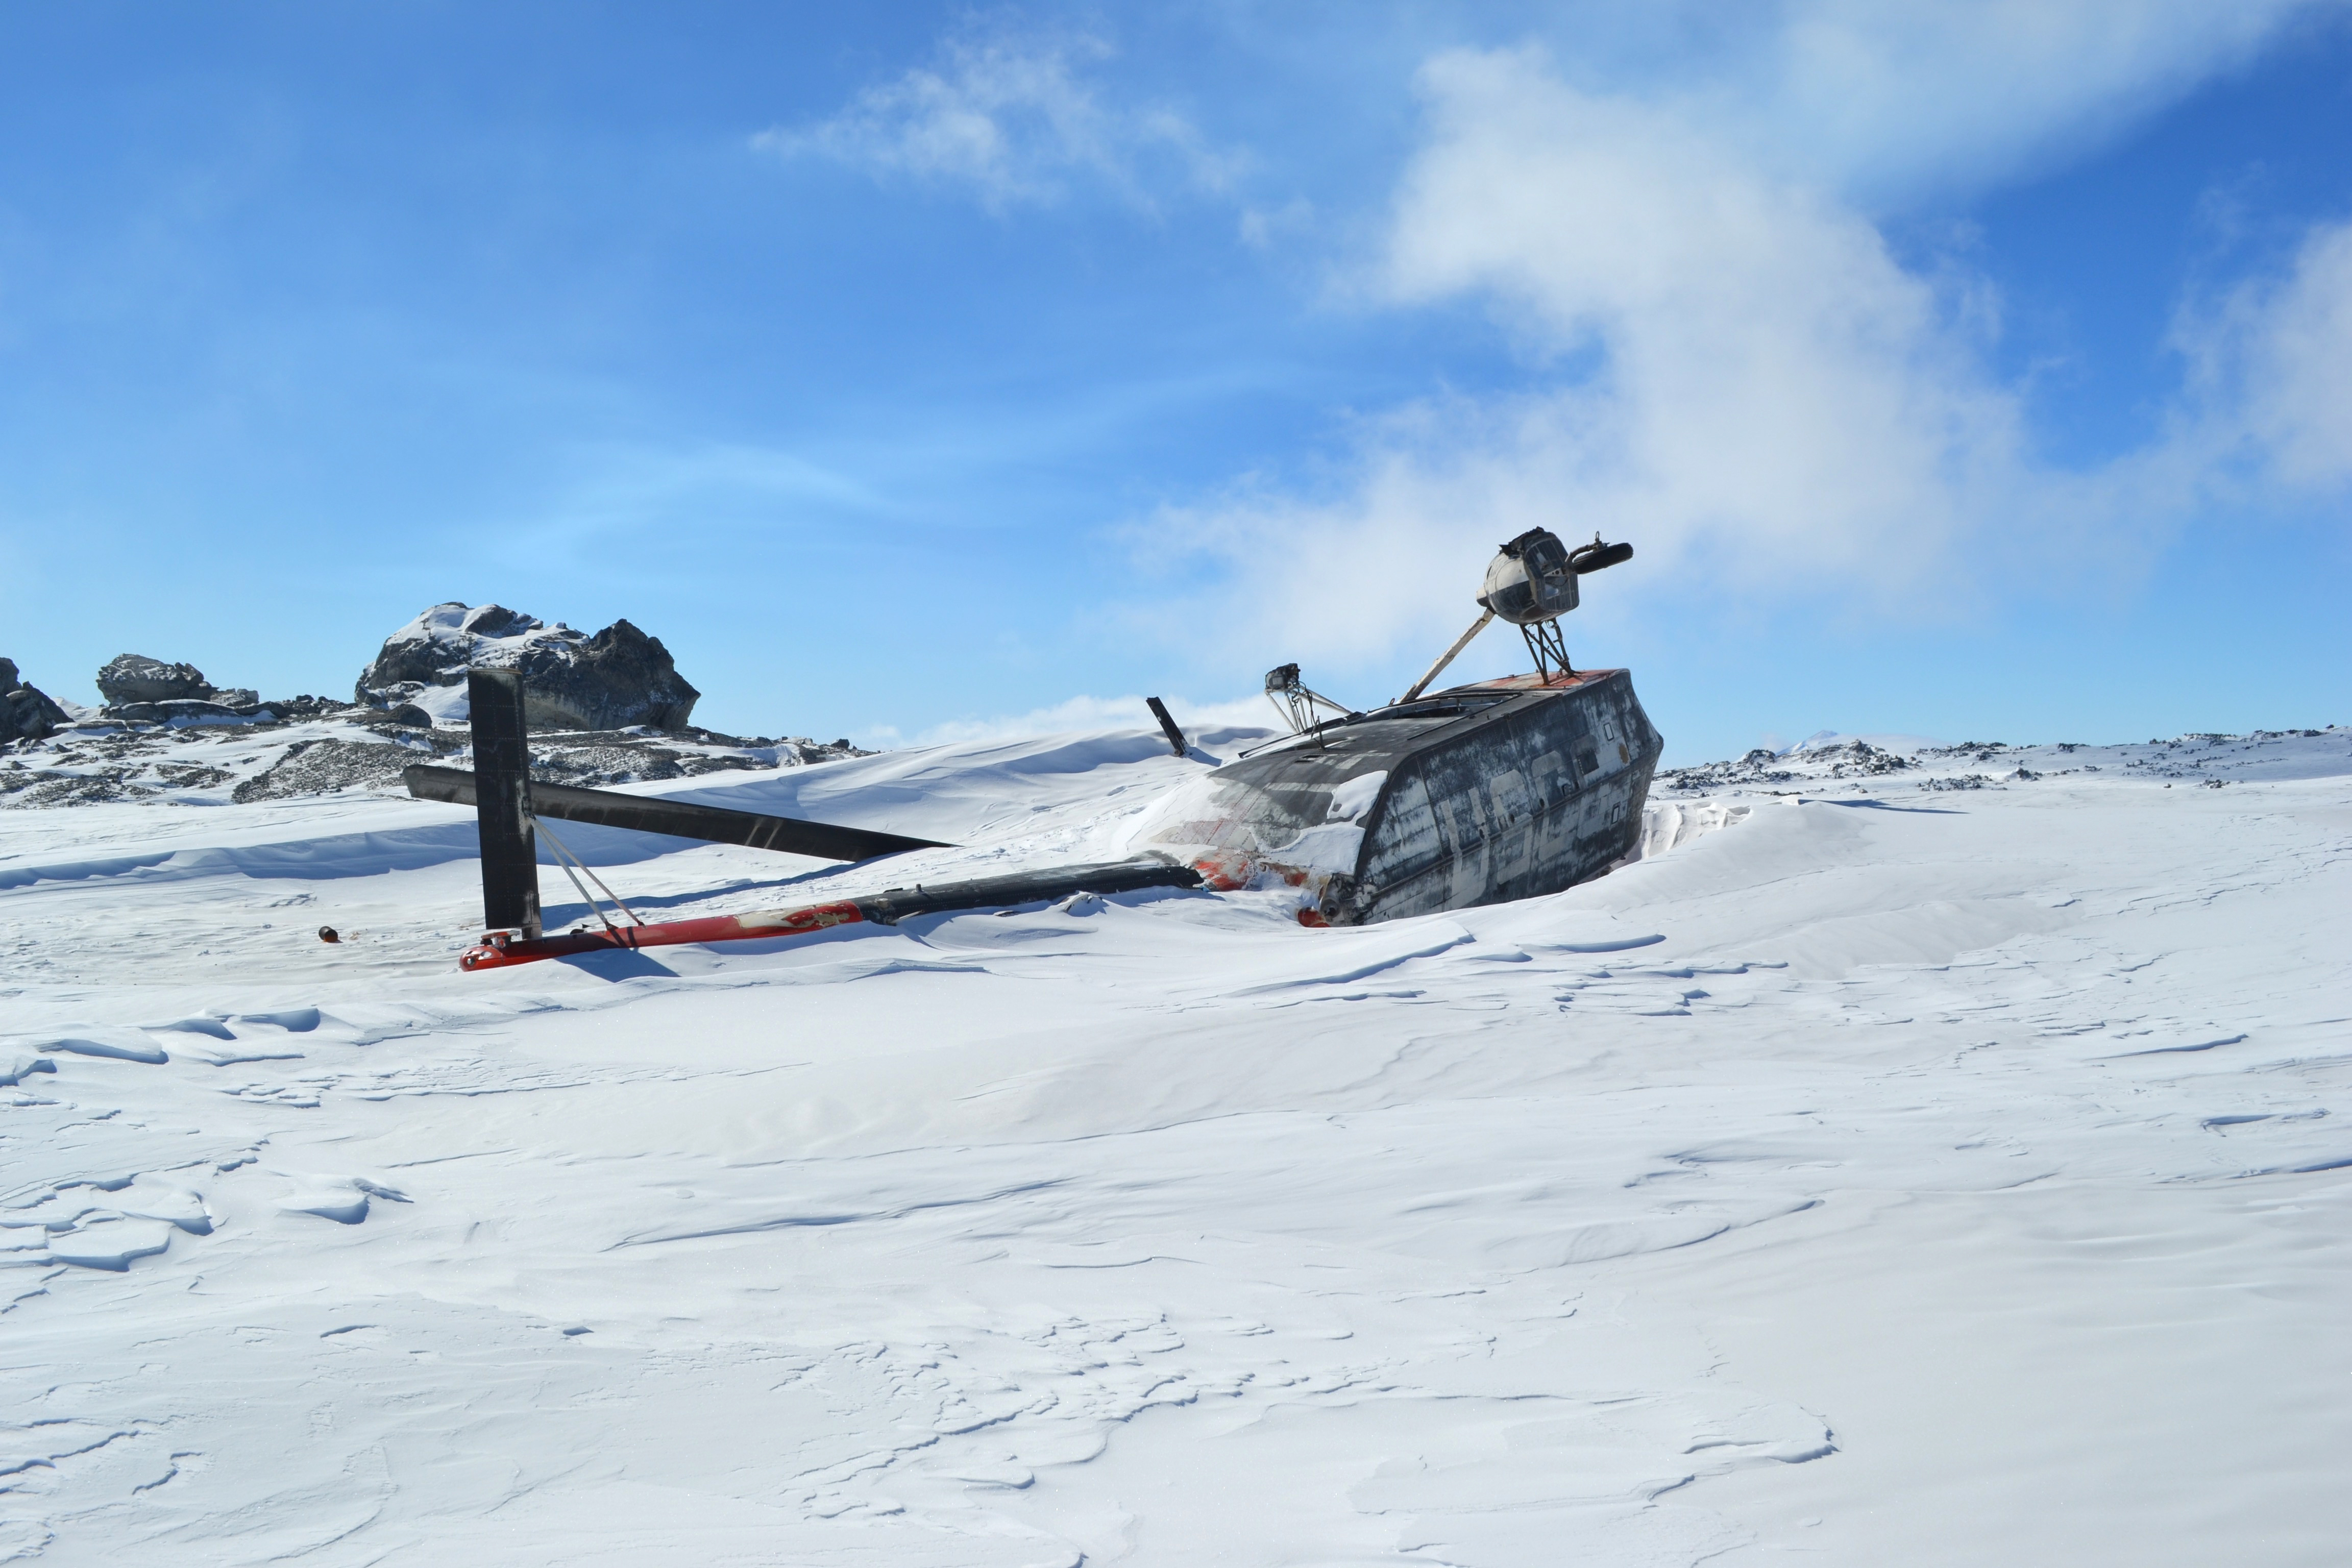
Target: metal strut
1418	687
1549	649
1295	702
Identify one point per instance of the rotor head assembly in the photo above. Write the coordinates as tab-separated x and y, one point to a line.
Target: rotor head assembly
1533	578
1531	583
1529	580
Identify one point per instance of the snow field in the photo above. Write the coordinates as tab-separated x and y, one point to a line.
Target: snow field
1891	1173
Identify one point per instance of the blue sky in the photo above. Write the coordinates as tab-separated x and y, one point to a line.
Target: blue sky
1978	371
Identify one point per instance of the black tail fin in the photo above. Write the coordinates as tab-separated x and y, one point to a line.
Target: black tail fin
1168	726
502	802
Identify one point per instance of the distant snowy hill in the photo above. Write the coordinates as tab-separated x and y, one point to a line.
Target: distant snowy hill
1920	1155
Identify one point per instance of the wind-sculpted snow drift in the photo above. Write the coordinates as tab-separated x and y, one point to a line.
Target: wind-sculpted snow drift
1938	1164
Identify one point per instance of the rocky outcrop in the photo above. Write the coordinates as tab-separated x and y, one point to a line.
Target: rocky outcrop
135	677
305	747
26	712
616	679
149	691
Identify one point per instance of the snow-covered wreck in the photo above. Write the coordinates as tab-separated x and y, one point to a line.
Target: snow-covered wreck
1503	789
1506	789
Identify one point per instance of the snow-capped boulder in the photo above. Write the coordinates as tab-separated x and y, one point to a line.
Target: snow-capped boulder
135	677
617	678
26	712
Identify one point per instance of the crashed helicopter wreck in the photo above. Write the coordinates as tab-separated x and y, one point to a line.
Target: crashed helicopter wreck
1473	795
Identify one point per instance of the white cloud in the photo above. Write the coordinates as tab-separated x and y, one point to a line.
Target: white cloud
1881	98
1773	378
1016	120
2274	364
1771	396
1730	367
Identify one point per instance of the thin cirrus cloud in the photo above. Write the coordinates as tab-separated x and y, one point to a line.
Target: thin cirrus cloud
2272	368
1015	120
1757	387
1885	100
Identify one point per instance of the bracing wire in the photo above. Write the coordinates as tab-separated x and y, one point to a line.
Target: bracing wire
567	859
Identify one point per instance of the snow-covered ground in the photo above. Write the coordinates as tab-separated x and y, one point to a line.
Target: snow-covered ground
1942	1163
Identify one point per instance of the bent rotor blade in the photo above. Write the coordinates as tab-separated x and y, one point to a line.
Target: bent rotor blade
678	818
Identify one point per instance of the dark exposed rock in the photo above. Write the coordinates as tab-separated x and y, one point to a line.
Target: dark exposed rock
614	679
1851	758
595	766
163	712
1860	758
26	712
293	709
319	767
46	787
189	776
135	677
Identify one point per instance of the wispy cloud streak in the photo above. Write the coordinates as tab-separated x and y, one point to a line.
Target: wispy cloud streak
1015	121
